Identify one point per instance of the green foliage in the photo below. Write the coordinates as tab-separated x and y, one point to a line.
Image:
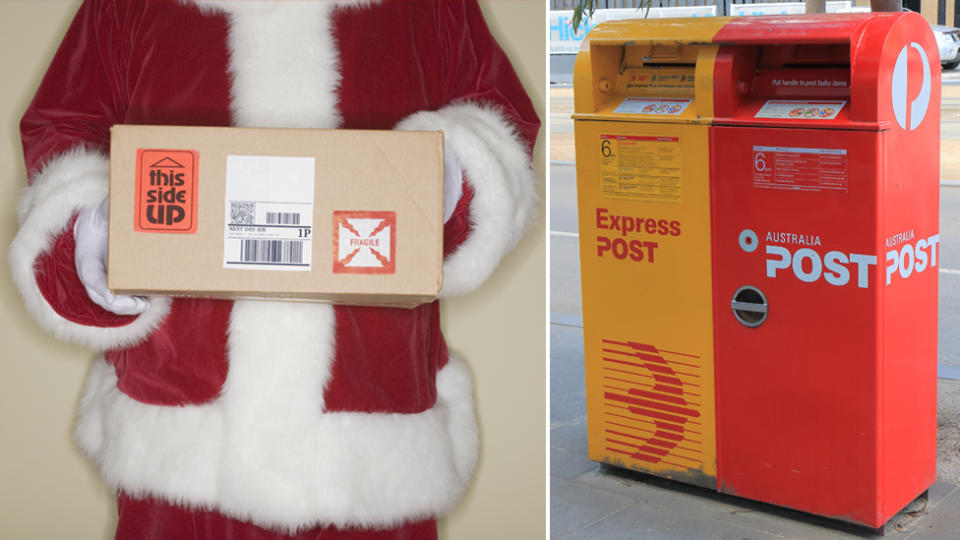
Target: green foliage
585	8
583	5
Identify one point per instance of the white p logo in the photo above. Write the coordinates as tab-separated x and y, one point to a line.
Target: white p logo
918	107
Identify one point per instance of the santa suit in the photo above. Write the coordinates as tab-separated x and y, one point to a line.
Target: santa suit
250	418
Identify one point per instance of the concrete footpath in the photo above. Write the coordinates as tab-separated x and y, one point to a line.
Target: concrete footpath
590	501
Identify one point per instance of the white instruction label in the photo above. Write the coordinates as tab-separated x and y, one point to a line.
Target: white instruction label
800	169
800	110
269	213
666	106
641	168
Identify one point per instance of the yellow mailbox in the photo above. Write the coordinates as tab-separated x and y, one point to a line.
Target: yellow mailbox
643	108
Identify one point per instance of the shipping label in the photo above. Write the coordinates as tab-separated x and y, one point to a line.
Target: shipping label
641	168
800	169
269	213
166	191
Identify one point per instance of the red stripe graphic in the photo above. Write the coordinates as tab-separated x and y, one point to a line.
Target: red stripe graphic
665	404
653	450
669	436
658	442
654	395
668	389
657	414
626	426
654	404
612	432
672	380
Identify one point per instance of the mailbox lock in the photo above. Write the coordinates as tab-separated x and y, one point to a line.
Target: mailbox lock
604	85
749	306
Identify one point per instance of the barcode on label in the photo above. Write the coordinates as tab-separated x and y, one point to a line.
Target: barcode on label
271	251
283	218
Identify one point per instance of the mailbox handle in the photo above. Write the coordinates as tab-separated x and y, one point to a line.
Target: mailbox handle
750	306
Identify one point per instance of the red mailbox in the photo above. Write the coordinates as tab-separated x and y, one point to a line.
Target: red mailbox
825	211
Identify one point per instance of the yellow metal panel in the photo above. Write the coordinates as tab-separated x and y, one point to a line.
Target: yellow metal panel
658	31
706	59
643	98
647	301
647	60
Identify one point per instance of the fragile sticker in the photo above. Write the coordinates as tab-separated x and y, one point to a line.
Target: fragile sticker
166	191
642	168
269	213
364	242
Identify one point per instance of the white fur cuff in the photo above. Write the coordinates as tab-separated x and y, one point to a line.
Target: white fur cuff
498	168
67	184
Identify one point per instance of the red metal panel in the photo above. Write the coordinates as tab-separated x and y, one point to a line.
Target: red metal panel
796	397
873	58
908	232
822	28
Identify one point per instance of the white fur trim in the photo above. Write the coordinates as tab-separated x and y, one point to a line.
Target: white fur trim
283	60
496	165
72	181
272	457
227	6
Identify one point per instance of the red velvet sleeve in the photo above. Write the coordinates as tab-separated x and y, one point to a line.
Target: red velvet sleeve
478	70
65	134
81	94
492	126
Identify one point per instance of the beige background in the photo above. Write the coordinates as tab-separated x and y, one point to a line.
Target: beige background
47	490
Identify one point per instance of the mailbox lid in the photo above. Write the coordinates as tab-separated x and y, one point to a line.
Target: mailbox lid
813	28
826	71
647	71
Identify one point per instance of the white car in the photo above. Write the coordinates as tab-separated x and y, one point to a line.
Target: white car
948	40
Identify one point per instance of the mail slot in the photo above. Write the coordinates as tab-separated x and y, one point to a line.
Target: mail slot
759	209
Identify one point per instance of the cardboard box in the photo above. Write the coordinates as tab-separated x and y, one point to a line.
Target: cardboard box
353	217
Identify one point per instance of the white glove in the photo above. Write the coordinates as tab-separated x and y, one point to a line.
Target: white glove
90	233
452	183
